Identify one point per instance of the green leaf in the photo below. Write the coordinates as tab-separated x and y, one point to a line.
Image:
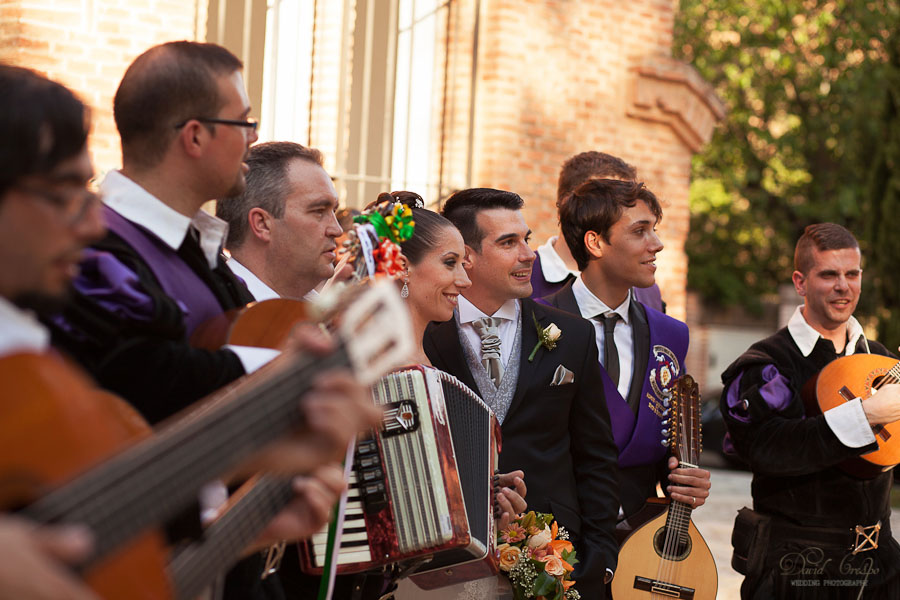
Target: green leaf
545	584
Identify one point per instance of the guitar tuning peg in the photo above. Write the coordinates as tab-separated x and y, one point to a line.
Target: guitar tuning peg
664	423
665	432
666	402
664	443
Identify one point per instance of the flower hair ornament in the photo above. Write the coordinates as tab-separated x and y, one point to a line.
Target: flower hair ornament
377	232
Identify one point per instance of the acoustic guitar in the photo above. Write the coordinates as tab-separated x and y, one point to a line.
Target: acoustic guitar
667	557
57	429
858	376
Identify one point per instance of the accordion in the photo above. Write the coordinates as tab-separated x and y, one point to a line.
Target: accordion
421	488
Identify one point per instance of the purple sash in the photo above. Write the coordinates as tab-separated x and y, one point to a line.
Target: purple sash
196	301
638	437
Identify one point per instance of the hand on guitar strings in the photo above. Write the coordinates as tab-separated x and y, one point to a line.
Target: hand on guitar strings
509	492
33	559
314	497
687	485
335	410
884	406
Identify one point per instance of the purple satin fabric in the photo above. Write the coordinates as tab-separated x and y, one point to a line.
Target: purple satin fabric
775	392
113	286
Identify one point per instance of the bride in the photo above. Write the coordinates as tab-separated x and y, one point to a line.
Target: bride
433	277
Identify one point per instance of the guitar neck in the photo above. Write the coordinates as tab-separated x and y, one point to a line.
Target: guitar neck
155	479
193	568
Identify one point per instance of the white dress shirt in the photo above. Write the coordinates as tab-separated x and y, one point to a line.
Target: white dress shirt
590	306
139	206
508	315
848	421
552	266
258	289
20	331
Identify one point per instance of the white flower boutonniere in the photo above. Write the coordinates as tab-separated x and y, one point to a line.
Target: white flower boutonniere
547	337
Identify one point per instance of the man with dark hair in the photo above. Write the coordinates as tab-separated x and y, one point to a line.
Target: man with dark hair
47	216
554	422
183	115
814	531
158	274
282	228
554	265
610	229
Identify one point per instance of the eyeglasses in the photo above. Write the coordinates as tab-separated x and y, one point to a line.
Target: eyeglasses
73	204
248	123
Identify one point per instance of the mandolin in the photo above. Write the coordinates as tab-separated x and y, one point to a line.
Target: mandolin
858	376
60	433
667	557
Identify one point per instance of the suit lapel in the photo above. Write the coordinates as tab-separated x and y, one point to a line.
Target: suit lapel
528	371
448	354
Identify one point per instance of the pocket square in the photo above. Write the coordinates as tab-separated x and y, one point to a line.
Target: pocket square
562	376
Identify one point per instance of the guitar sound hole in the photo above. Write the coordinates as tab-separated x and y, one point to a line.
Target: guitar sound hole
678	548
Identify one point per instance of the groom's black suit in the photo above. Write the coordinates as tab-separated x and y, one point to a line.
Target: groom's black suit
559	435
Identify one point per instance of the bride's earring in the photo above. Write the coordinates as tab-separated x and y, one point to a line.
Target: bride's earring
404	291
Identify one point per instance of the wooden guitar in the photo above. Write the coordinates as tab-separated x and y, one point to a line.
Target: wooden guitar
58	429
858	376
667	557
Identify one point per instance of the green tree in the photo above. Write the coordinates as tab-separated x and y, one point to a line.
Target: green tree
807	89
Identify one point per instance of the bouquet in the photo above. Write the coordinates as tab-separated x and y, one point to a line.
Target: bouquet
538	558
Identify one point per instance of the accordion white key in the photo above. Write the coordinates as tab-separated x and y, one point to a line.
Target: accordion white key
421	488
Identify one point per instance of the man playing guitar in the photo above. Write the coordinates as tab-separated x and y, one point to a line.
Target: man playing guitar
815	532
47	217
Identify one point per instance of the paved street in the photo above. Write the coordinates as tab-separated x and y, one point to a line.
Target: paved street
730	491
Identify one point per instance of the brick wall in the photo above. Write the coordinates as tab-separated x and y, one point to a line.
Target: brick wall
556	78
88	44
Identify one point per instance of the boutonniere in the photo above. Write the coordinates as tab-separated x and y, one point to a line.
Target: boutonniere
547	337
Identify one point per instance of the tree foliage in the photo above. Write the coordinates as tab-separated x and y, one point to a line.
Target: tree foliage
810	135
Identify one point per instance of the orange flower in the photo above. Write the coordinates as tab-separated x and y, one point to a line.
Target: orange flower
508	556
560	546
568	584
554	530
513	533
553	565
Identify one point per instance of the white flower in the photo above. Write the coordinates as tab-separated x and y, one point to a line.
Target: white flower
552	332
540	539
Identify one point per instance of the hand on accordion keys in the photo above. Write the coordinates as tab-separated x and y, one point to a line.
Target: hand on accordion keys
509	492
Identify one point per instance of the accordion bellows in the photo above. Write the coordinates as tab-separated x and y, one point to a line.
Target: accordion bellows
421	488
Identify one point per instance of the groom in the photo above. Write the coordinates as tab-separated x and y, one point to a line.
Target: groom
555	424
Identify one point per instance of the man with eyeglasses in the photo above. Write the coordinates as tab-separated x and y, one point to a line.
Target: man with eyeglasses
182	114
183	117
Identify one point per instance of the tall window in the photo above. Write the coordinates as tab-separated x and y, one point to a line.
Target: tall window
414	112
288	71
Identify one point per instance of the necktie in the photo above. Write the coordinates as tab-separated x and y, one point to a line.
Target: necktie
610	352
487	328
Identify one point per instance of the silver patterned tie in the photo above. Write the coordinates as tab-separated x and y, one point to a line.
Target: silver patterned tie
487	328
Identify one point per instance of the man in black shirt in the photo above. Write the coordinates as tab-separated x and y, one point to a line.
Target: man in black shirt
806	535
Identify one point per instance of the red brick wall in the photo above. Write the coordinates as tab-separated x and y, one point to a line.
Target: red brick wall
554	80
88	45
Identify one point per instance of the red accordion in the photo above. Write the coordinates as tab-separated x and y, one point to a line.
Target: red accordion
421	489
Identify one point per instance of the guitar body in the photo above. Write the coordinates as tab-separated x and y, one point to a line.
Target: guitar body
54	424
845	379
639	559
265	324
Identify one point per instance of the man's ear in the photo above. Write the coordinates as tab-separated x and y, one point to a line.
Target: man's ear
593	243
192	138
467	261
260	222
799	280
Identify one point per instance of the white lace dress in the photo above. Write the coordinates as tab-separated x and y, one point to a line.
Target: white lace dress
490	588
